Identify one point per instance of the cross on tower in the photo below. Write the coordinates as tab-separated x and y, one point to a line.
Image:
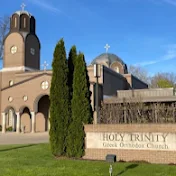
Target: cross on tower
45	65
23	6
107	47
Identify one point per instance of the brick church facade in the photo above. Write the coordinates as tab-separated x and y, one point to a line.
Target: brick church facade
24	88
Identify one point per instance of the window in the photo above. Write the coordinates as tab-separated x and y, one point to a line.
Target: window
15	24
25	98
24	22
117	69
10	99
45	85
11	83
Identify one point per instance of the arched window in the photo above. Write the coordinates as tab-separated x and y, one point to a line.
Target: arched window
15	22
24	22
24	19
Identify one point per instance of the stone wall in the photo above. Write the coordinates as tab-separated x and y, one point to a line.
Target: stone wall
153	143
142	93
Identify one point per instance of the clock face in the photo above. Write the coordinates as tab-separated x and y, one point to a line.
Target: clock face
13	49
32	50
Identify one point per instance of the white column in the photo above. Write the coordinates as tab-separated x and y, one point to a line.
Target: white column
33	122
18	124
3	122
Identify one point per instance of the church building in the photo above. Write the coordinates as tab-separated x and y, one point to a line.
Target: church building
24	88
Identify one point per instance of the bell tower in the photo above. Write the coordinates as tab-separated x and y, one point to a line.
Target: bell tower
21	45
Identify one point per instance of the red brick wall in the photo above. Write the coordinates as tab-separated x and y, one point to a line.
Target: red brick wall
151	156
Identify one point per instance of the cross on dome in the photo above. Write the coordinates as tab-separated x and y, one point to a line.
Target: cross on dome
23	6
107	47
45	65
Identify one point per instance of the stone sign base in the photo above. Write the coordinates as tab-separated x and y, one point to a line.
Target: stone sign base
148	143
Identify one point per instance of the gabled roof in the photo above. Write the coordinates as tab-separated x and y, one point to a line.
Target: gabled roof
26	80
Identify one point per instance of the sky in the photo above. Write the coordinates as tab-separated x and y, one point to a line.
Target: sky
140	32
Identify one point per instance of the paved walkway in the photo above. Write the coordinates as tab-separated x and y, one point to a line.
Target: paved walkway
27	138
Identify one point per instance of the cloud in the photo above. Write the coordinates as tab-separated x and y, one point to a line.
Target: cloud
170	54
161	2
45	5
172	2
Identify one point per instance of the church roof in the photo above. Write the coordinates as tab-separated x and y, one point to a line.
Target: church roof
107	57
20	12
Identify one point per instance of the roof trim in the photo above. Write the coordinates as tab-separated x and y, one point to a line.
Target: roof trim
19	12
115	100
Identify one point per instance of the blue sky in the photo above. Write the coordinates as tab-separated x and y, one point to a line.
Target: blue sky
140	32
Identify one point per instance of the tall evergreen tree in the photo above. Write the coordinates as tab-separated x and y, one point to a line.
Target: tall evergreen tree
81	109
71	64
59	101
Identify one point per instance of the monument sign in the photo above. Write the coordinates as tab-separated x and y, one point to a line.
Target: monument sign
154	143
134	141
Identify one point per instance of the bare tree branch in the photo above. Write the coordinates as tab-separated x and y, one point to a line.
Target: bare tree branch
137	112
163	80
4	28
140	73
159	80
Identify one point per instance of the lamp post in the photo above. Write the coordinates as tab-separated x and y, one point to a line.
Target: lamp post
97	74
110	170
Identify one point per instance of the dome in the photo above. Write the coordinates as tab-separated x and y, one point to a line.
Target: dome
23	12
108	58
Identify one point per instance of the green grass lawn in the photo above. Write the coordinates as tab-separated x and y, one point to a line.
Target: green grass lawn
36	160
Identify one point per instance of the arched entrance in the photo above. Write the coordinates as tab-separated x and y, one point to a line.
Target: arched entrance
26	122
10	119
42	116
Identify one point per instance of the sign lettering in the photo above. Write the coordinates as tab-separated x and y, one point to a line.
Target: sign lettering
135	141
